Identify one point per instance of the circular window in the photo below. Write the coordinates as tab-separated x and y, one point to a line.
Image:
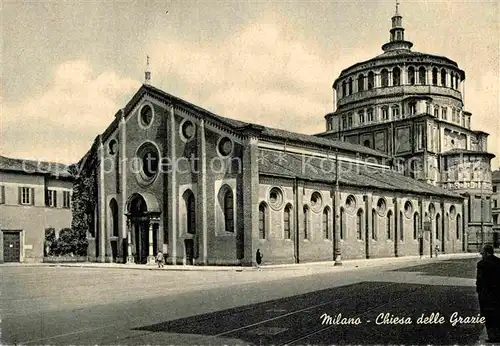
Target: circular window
432	210
276	198
381	207
148	159
408	209
146	115
187	130
316	201
113	146
225	146
350	204
453	212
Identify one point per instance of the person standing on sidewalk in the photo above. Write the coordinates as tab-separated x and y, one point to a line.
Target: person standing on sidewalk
258	258
488	291
159	259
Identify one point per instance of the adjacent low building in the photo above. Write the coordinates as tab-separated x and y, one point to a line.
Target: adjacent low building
495	208
34	197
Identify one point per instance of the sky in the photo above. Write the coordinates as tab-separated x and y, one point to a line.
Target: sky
67	67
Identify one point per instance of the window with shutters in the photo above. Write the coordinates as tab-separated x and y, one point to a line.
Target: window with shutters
2	194
66	199
26	196
51	199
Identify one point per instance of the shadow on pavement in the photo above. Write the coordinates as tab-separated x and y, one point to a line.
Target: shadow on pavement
460	268
298	319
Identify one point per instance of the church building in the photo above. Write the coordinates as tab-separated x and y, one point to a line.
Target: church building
204	189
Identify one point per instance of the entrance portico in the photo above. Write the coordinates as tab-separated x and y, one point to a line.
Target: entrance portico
143	228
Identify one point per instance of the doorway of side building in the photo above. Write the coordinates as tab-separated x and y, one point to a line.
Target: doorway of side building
11	246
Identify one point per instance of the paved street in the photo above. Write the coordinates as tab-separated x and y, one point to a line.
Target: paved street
68	305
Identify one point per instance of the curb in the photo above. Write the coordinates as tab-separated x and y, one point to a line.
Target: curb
346	265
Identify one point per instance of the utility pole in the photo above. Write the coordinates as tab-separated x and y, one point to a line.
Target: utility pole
337	250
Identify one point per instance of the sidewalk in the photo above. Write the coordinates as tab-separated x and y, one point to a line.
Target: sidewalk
329	265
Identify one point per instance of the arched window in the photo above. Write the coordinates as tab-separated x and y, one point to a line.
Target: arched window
384	75
436	111
447	226
401	226
438	226
374	224
359	224
443	77
371	80
113	208
411	75
350	86
344	90
457	81
361	82
389	225
191	213
262	221
412	108
444	113
342	222
228	211
458	225
395	112
421	75
385	113
396	76
287	222
306	222
326	230
434	76
369	114
415	225
361	115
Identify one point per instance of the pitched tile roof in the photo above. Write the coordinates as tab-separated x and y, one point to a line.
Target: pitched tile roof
53	169
457	151
313	169
260	131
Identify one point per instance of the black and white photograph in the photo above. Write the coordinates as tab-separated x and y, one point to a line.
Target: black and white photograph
250	172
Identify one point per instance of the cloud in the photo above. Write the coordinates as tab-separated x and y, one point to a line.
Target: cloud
61	123
261	73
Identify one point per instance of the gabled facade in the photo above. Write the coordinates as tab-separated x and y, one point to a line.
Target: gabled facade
208	190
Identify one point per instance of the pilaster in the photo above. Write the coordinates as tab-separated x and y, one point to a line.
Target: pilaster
250	198
202	181
173	184
123	178
102	206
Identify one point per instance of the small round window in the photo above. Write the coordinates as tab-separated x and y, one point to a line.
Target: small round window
113	146
225	146
316	201
275	198
146	115
148	159
187	129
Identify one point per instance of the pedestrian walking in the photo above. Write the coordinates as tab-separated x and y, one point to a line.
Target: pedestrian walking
258	258
436	250
488	288
159	259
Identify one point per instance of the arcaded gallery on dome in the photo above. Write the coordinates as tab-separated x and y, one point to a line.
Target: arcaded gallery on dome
398	172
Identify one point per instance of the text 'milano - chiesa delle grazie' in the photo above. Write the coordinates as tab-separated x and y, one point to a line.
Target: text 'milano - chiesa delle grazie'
398	172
